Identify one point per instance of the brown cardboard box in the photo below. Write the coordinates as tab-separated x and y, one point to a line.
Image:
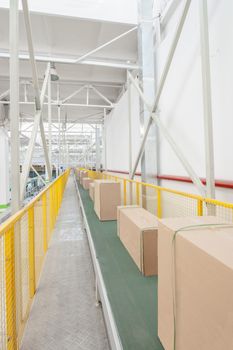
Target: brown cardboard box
83	173
86	182
201	273
107	198
92	190
137	229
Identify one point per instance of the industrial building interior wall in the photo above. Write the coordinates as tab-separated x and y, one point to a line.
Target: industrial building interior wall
117	132
181	105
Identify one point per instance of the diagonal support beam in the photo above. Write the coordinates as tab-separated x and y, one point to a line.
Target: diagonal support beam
101	95
31	53
166	69
195	178
73	94
106	44
31	146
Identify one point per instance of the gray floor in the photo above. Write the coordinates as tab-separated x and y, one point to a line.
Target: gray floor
64	315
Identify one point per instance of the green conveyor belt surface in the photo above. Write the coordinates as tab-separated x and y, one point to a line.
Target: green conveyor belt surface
133	298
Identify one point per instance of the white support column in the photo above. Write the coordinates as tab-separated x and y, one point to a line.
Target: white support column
14	105
59	138
147	77
105	141
50	120
15	148
4	169
207	103
97	145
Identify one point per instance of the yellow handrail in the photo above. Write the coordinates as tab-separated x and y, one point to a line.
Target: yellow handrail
21	259
160	193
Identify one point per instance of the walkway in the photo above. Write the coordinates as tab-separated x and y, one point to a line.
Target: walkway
64	315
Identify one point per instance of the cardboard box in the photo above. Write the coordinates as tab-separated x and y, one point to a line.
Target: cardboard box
138	229
92	190
86	182
198	266
107	198
83	173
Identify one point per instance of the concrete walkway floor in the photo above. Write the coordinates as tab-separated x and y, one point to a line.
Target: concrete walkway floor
64	315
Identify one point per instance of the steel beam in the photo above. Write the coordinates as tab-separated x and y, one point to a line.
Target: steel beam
64	104
73	94
67	60
162	82
50	119
32	141
101	95
207	103
105	44
14	106
27	22
195	178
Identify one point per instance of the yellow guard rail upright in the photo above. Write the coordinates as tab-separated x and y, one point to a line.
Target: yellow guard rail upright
24	239
165	202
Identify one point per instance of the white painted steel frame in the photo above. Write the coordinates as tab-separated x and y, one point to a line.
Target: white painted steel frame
153	109
207	103
14	105
110	323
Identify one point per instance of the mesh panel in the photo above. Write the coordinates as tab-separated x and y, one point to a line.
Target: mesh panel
39	242
24	265
174	205
22	249
3	337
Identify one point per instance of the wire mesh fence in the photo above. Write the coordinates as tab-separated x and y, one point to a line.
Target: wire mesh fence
24	238
165	202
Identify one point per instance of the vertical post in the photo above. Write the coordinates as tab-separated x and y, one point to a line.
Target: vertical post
125	191
9	255
149	158
14	106
200	207
59	139
31	240
105	141
97	145
129	134
4	169
14	128
159	204
45	233
207	104
137	194
50	120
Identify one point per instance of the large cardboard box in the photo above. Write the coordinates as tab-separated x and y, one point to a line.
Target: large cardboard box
83	173
92	190
86	182
138	229
196	276
107	198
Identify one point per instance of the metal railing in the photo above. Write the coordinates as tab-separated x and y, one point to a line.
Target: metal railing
165	202
24	239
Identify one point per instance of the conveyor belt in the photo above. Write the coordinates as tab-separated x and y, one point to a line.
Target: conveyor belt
133	298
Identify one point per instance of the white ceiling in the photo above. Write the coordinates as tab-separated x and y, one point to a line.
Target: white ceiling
119	11
63	36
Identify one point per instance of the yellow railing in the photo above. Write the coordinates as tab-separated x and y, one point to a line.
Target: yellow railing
24	239
165	202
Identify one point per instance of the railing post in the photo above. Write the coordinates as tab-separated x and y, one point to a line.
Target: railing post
9	253
200	207
125	191
31	240
51	208
137	194
45	238
159	204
